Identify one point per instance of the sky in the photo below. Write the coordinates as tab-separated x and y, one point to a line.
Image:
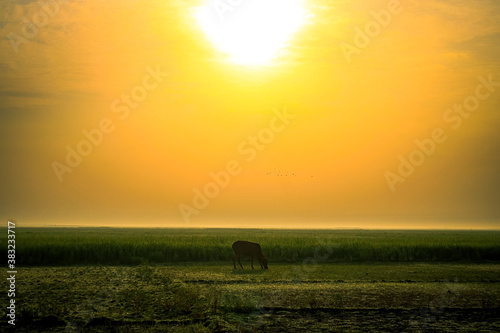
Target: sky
250	113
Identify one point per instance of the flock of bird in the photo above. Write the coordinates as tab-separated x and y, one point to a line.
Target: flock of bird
278	173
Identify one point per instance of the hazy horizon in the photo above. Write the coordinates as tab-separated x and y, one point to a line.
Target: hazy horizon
291	225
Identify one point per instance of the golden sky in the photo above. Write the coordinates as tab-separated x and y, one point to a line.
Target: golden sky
242	113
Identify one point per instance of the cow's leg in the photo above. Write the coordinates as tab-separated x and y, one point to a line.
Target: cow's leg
252	262
234	261
239	260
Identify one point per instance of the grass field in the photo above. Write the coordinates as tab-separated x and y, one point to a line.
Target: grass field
76	280
111	246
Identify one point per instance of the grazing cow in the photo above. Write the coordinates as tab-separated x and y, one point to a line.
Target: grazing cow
248	249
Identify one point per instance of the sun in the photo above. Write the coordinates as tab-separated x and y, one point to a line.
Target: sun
250	32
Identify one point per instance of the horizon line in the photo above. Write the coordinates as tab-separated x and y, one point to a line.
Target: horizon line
54	226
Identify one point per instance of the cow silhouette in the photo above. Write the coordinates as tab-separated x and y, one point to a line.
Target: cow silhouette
248	249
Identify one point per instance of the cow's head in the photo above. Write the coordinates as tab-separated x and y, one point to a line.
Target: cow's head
263	262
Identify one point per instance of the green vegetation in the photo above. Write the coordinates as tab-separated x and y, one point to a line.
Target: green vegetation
289	297
182	280
109	246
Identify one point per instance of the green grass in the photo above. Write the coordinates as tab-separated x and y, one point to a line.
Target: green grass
114	246
182	280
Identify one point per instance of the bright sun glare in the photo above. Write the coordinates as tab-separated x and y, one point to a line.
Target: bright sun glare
250	32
